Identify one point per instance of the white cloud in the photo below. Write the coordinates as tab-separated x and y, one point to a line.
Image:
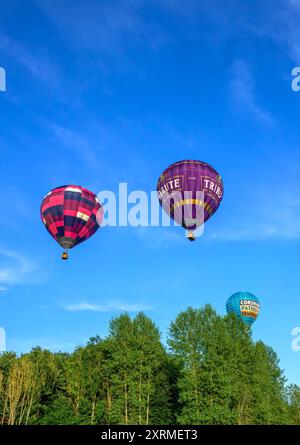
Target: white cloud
118	306
110	27
75	142
243	93
104	27
15	268
38	65
275	217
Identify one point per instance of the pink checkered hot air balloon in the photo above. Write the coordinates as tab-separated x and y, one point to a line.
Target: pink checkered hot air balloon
190	192
71	214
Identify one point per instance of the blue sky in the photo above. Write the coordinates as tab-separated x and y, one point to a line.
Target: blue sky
102	92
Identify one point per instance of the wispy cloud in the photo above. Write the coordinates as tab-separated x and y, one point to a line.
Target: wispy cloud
111	27
16	268
110	307
270	218
38	65
105	25
75	142
277	20
243	93
284	27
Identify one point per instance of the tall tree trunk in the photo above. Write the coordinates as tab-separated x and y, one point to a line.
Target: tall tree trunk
148	402
93	410
140	395
241	411
126	398
196	391
109	403
4	411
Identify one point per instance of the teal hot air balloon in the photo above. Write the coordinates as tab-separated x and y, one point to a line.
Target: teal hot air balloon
245	306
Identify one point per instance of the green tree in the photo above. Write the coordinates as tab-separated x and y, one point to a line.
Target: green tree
224	378
198	341
139	375
293	397
213	374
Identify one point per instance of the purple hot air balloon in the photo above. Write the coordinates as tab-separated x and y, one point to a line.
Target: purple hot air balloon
190	192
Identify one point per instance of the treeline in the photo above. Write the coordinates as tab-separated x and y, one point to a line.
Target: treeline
211	373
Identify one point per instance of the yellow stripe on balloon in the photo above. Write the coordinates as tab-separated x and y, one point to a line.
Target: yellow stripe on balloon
183	202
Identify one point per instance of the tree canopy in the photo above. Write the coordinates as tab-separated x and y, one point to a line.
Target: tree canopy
210	372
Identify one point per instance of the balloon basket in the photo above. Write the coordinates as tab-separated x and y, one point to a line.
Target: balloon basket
190	236
64	256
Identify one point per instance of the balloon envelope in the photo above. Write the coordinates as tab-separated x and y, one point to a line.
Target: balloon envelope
190	192
246	306
71	214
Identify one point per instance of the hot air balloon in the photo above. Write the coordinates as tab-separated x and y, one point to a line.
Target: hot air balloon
246	306
190	192
71	214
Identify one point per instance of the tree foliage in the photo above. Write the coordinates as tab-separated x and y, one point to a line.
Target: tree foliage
211	373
